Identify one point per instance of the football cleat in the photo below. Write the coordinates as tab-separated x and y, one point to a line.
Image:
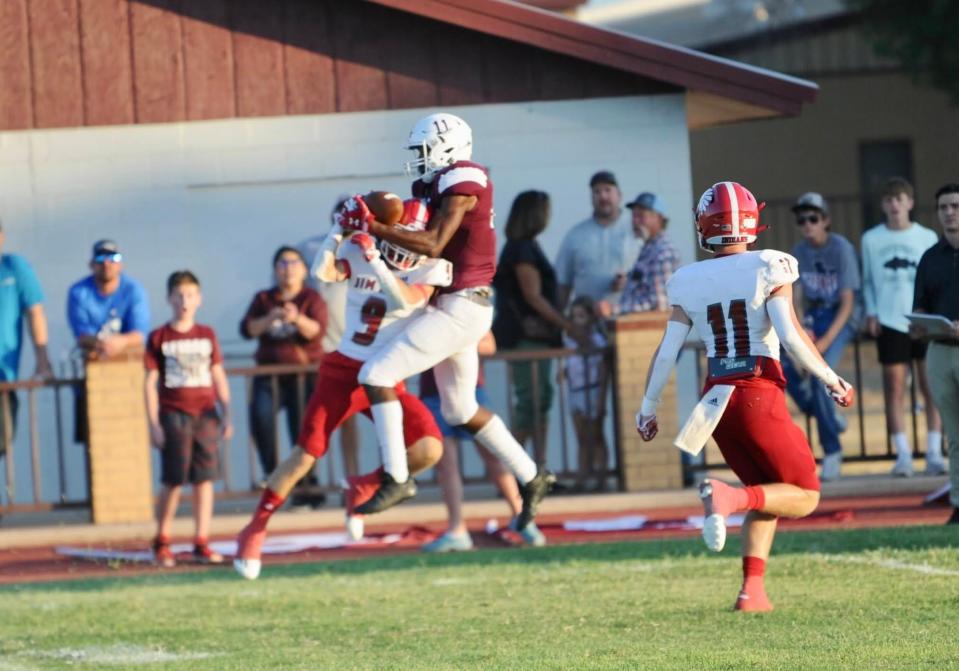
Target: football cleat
389	494
533	492
248	568
714	524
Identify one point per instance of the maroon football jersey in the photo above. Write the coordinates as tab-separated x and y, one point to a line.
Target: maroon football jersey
472	249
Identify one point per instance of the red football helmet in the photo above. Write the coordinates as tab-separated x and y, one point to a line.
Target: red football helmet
727	214
416	215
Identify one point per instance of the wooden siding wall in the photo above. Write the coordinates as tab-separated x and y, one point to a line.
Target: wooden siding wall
96	62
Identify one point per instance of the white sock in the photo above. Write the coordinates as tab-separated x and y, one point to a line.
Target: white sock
496	438
902	446
388	421
934	445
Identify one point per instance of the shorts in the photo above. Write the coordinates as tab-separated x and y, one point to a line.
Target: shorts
897	347
339	395
433	405
587	402
191	452
757	437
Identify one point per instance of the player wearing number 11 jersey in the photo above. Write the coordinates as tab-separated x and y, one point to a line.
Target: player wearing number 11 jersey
740	305
388	285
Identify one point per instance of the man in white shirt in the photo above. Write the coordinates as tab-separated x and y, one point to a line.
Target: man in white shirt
890	256
597	253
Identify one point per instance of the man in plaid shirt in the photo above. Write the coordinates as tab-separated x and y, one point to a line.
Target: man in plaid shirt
646	282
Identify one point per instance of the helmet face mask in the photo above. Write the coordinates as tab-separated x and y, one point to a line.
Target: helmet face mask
439	140
727	214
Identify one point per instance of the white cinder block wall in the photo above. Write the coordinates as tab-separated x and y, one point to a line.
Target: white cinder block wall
218	197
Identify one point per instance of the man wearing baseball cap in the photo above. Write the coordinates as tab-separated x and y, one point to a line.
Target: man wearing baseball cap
828	287
646	282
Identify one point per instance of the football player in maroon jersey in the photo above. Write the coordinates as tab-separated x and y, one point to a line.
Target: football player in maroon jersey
459	194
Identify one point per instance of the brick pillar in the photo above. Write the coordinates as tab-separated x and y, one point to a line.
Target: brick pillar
656	464
121	488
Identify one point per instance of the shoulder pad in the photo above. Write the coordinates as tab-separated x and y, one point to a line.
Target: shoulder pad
777	269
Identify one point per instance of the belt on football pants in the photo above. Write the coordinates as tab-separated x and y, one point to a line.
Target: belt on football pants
480	295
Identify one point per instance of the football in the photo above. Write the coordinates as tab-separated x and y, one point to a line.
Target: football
386	207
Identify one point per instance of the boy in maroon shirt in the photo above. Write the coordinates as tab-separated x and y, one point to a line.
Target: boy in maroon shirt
184	382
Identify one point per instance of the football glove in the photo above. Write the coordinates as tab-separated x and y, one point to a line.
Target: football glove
354	215
646	426
843	394
367	245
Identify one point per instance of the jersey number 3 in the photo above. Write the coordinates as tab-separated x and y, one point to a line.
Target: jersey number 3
717	322
371	314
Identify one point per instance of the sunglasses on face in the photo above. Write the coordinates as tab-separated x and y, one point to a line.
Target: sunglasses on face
808	219
112	258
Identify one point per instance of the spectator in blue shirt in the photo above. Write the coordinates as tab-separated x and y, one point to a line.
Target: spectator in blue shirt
107	310
108	313
20	295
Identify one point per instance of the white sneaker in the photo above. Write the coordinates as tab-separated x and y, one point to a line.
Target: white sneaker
831	466
935	466
903	467
248	568
354	527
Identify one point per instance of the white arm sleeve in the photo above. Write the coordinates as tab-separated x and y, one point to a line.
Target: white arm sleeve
390	284
663	364
779	310
326	254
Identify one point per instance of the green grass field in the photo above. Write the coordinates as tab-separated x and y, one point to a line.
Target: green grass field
864	599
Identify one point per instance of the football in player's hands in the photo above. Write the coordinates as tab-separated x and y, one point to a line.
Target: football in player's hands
354	215
843	394
367	245
646	426
387	207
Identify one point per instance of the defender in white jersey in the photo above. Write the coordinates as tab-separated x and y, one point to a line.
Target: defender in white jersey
740	304
381	297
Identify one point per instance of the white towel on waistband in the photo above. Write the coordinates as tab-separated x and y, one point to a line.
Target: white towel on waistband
703	419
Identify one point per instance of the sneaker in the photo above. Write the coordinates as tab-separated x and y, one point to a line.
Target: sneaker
935	466
530	534
450	543
903	467
248	545
831	465
533	492
389	494
204	554
755	602
162	554
716	507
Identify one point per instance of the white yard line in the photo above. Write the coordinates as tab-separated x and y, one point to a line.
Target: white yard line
892	564
121	654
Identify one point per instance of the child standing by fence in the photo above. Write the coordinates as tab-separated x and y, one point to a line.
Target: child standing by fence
586	377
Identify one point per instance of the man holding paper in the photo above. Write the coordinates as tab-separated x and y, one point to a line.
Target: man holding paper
740	304
937	293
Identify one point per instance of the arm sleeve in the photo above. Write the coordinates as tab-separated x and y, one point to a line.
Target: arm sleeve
77	316
151	353
921	299
868	283
662	366
255	310
779	309
138	315
390	285
29	286
849	278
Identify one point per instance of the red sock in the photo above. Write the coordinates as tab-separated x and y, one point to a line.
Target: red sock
755	498
269	503
371	478
754	569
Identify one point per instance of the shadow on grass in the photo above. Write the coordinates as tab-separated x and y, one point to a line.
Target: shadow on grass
795	542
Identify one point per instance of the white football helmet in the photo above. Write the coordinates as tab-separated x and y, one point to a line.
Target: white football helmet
415	217
439	140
